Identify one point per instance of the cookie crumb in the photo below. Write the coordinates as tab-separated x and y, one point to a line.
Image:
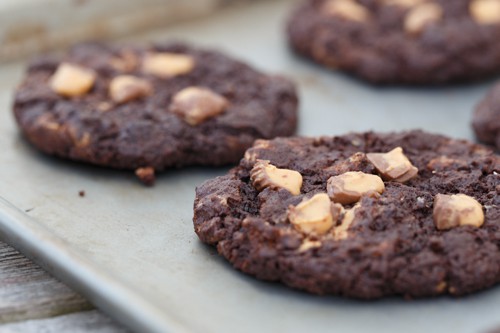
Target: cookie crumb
81	193
146	175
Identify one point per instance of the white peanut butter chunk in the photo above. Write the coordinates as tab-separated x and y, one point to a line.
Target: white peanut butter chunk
422	15
347	9
402	3
197	104
315	215
165	65
265	175
485	11
349	187
393	165
340	231
125	88
72	80
457	210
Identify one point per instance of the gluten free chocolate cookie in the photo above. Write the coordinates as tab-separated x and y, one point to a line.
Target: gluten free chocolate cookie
362	215
486	118
400	41
150	108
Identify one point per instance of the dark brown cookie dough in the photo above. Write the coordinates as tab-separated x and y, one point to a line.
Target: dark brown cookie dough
400	41
116	109
486	118
410	238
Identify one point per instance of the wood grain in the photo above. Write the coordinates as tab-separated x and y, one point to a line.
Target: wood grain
28	292
31	298
81	322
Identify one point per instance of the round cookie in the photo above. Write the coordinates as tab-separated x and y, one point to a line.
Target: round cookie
400	41
486	118
150	108
361	215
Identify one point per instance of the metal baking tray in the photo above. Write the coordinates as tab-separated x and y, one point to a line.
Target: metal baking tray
132	250
30	26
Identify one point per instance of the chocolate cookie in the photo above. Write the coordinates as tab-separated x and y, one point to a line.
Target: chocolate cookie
400	41
486	118
362	215
150	108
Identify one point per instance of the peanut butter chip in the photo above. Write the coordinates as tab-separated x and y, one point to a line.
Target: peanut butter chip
314	215
126	62
265	175
83	141
340	232
485	11
456	210
347	9
104	106
125	88
252	153
308	244
351	186
165	65
71	80
47	121
402	3
444	163
393	165
422	15
196	105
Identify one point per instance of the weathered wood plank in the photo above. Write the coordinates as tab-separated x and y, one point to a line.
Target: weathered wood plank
28	292
81	322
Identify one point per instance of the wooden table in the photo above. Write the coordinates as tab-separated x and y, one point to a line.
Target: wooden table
33	301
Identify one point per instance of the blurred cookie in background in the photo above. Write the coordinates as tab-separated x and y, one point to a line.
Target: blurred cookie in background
486	118
400	41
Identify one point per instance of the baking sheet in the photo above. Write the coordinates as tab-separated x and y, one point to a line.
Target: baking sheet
132	249
31	26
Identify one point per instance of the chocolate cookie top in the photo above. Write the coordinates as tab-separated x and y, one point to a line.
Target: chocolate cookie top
486	118
361	215
401	41
150	108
